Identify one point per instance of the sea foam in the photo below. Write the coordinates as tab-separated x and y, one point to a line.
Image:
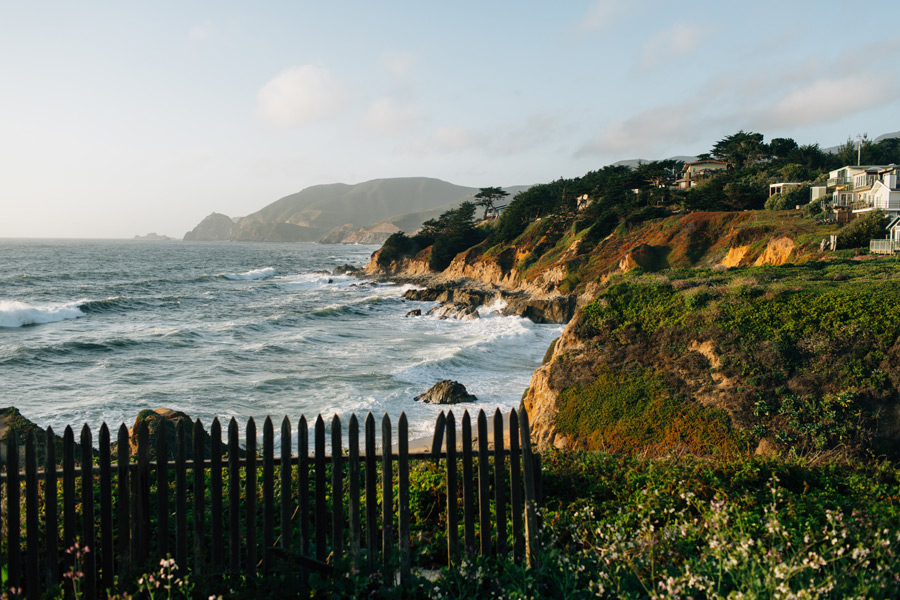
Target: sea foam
18	314
264	273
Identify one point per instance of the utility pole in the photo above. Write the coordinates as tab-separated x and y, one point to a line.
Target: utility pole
858	150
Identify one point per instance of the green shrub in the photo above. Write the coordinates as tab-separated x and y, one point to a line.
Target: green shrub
858	232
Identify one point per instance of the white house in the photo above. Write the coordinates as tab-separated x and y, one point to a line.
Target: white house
693	172
862	189
778	188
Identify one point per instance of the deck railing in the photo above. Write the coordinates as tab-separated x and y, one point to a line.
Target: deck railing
248	510
882	246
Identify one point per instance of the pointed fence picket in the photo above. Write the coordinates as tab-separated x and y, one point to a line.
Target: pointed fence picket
136	510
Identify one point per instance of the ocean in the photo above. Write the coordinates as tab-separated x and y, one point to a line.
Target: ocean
94	331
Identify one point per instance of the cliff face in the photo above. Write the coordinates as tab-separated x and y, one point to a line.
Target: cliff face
798	359
675	350
541	266
214	228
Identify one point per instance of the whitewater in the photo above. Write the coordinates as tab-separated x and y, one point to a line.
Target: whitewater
95	331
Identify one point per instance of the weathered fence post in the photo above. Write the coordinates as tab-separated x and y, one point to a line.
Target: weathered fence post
199	504
532	536
13	516
321	509
452	505
468	485
162	486
337	491
499	483
403	495
250	498
353	492
484	490
51	516
286	488
106	511
303	489
515	487
69	490
268	494
215	494
32	555
437	440
371	498
234	498
387	499
180	496
142	489
123	506
89	563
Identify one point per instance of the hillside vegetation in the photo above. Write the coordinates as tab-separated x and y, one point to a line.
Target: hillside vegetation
709	325
800	359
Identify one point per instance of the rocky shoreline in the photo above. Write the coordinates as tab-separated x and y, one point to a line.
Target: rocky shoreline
460	298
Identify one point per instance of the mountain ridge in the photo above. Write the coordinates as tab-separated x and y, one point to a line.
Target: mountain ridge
340	212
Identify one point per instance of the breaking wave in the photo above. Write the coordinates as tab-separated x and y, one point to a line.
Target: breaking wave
19	314
255	274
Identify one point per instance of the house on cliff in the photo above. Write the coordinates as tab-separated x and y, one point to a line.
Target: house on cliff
851	191
698	170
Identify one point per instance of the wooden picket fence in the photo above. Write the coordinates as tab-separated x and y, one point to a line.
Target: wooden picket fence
130	514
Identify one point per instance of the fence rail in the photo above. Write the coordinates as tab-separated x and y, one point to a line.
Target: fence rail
250	509
887	246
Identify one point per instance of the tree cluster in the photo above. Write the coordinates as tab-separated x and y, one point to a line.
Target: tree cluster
621	196
448	235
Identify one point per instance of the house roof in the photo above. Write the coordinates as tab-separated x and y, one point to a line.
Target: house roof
705	162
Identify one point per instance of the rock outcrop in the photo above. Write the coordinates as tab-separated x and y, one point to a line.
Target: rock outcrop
455	310
11	420
165	419
346	270
557	309
214	228
446	392
153	237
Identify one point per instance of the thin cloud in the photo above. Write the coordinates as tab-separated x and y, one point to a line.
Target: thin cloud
784	98
388	117
399	63
447	140
536	131
301	95
647	132
830	99
671	43
453	138
603	14
202	32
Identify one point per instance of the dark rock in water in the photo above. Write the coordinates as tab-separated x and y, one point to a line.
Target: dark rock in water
448	293
554	310
454	310
345	270
414	313
364	284
447	392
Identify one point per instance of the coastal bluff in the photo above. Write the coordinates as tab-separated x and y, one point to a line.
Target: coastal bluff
665	350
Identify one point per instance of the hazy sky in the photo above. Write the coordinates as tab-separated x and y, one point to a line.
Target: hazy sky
122	118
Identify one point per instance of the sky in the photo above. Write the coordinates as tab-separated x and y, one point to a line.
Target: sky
123	118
